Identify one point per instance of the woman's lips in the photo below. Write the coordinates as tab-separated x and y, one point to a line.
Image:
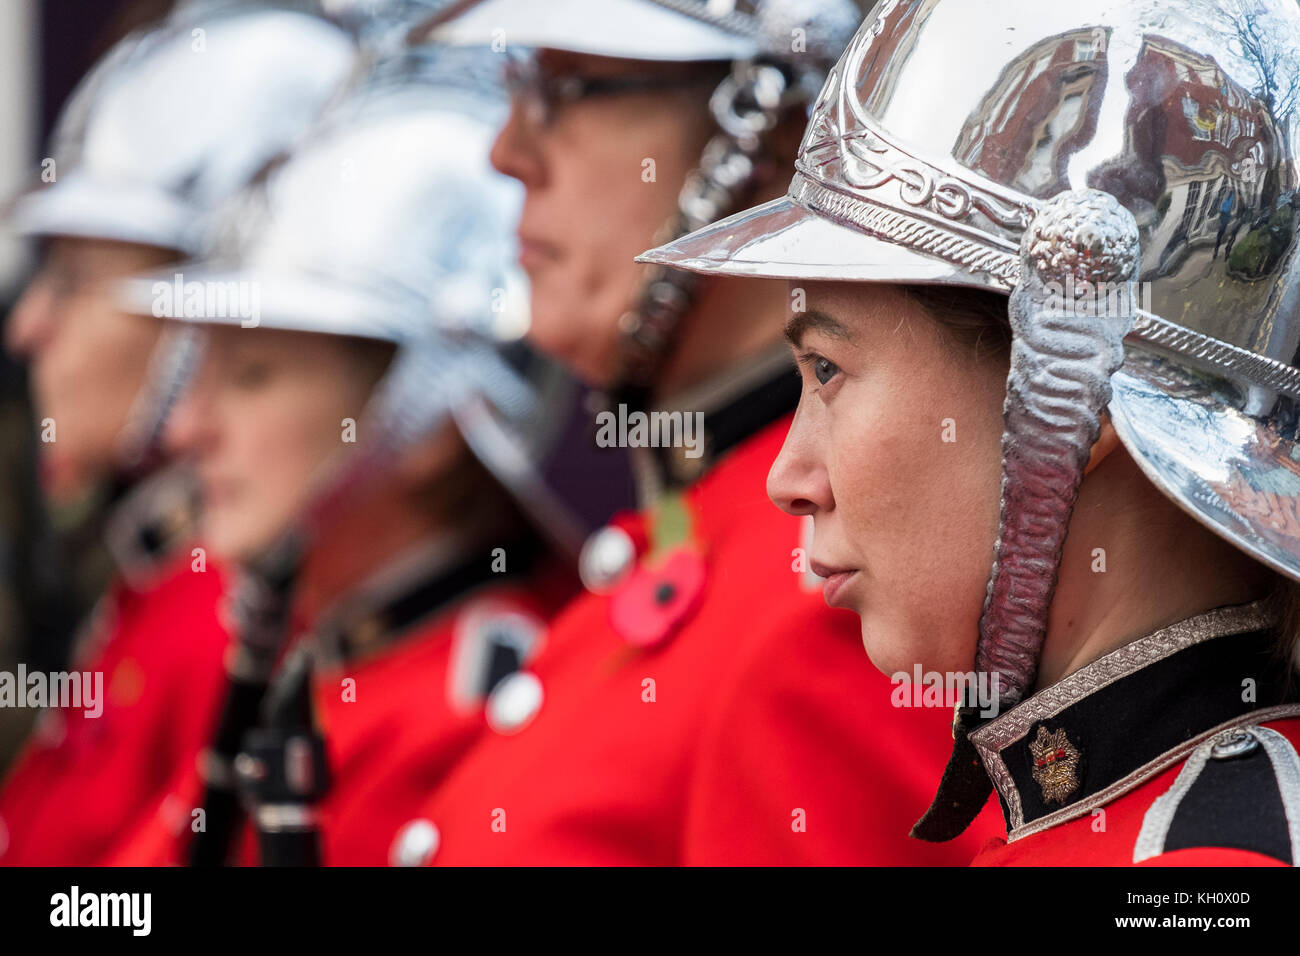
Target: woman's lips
836	580
535	252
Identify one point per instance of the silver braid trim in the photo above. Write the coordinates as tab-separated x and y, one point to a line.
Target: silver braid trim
983	255
1214	353
892	225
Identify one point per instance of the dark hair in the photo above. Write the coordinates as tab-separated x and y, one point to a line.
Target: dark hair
1285	601
974	319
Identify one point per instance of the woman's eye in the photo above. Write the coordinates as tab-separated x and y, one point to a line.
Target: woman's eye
824	369
250	374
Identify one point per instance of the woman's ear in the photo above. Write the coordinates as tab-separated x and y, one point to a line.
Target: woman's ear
1106	443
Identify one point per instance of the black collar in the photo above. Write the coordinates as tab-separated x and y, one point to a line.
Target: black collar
1130	715
392	609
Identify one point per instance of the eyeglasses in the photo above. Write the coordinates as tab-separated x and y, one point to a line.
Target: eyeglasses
541	94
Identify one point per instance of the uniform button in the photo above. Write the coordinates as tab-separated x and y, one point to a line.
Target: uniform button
1233	743
514	702
416	844
174	814
606	558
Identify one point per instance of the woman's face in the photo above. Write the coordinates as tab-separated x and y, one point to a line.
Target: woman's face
265	413
599	181
87	358
895	451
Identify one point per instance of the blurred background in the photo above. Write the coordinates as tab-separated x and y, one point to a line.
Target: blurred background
46	46
53	565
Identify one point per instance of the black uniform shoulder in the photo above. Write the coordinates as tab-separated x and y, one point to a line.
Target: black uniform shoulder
1238	790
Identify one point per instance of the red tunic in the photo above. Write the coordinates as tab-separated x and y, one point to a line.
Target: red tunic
759	732
392	726
83	783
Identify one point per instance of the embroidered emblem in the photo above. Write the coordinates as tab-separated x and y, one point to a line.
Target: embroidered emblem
1056	762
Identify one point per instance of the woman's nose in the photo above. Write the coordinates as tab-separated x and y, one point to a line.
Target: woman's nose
31	322
798	482
188	428
515	152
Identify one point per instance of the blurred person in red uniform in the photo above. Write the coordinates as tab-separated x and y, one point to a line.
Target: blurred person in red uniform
174	119
701	705
345	430
1122	406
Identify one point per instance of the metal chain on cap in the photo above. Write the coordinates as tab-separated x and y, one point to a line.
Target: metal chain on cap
746	106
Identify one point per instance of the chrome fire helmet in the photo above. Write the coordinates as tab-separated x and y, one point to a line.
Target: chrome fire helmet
1126	172
176	118
381	26
171	122
388	224
780	51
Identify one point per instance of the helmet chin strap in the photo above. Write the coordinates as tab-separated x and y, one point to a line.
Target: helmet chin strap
747	106
1067	342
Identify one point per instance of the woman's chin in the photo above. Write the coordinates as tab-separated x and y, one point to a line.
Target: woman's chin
891	656
233	542
885	653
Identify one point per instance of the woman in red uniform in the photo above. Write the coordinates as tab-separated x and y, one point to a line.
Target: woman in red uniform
118	203
1051	371
389	581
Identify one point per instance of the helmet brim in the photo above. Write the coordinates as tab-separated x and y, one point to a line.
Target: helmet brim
78	206
627	29
287	300
783	240
1235	474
